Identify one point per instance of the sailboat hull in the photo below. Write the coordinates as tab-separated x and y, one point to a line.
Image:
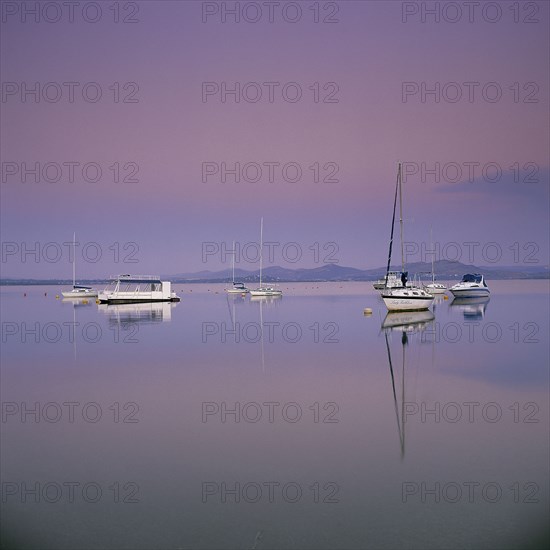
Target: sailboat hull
407	303
266	292
80	294
435	288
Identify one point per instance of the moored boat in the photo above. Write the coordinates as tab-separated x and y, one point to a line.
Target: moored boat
264	290
131	289
392	281
404	298
473	285
78	291
237	288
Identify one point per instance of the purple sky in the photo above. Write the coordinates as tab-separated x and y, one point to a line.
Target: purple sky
170	132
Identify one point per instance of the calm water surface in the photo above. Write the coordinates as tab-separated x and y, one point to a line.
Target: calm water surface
225	422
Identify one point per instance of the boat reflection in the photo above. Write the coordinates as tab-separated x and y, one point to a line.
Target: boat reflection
266	299
150	312
405	323
78	302
473	309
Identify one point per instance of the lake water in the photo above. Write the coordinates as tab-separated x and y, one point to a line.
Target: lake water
300	423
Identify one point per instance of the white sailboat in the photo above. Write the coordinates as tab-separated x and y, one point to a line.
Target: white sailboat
433	287
237	288
78	291
406	298
391	280
264	290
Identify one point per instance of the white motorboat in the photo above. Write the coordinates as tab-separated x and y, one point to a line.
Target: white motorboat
393	281
78	291
405	298
132	289
237	288
471	286
264	290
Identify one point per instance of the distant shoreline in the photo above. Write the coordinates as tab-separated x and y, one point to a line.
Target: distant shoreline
55	282
444	270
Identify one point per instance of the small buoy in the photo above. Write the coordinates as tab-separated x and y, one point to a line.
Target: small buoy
97	302
57	296
367	311
445	297
45	293
24	294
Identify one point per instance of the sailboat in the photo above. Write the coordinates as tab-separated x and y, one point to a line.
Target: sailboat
406	298
237	288
264	290
433	287
78	291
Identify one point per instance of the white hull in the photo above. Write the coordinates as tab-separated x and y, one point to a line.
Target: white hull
80	294
138	289
136	297
435	289
407	299
469	292
237	291
406	304
266	292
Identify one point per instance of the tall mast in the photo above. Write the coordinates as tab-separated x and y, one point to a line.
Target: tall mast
234	252
74	258
433	254
401	217
392	228
261	247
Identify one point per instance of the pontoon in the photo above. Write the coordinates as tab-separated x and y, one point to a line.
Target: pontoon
131	289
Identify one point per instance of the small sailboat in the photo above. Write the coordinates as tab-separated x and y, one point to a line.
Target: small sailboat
405	298
78	291
392	281
237	288
264	290
433	287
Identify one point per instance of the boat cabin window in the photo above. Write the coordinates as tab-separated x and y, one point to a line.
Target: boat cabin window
469	278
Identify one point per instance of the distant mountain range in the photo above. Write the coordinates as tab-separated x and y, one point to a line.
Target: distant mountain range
445	270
